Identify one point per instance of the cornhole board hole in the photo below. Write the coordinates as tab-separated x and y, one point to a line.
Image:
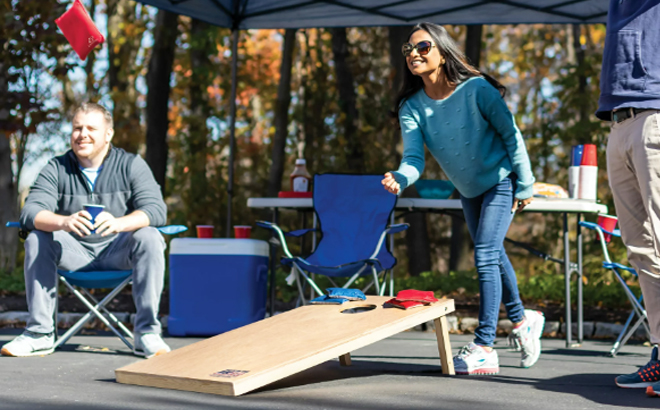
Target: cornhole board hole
260	353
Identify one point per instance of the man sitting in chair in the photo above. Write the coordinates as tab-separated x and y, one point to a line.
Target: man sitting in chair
62	236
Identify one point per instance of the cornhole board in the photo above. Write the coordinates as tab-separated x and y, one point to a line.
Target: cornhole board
255	355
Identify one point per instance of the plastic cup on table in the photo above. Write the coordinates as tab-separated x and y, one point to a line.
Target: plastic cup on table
608	223
573	181
242	231
94	210
576	155
205	231
589	156
588	181
574	171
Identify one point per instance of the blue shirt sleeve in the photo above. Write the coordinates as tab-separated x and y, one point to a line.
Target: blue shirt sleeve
412	163
494	109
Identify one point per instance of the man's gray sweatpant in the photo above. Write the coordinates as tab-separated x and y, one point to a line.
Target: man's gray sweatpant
142	251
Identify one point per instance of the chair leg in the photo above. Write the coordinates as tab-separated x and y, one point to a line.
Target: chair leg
617	344
93	311
311	282
638	310
354	278
112	317
632	330
391	282
376	281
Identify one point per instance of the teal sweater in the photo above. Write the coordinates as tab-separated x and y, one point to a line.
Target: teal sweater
473	136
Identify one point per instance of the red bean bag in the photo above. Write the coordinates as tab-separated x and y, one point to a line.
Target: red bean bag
79	29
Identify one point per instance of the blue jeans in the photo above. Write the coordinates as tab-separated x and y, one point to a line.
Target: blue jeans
488	217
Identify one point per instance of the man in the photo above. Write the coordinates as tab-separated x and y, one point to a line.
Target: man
122	237
630	99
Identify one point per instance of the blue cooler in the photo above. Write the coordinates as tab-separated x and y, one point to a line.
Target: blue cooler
216	285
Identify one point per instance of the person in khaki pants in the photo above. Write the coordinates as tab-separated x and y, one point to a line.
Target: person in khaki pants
630	100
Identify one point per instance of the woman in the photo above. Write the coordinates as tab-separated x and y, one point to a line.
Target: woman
460	115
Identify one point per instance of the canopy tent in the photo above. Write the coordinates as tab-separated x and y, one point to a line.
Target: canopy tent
274	14
248	14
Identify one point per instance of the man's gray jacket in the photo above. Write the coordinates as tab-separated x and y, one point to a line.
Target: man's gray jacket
124	184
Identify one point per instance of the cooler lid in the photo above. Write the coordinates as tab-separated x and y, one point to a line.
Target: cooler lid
218	246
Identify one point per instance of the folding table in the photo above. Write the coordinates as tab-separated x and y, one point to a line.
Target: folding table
578	207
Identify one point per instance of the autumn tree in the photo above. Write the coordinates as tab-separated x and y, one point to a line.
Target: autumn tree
33	60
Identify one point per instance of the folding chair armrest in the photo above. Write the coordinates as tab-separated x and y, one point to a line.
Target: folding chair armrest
596	227
391	229
300	232
397	228
273	227
614	265
13	225
601	237
172	229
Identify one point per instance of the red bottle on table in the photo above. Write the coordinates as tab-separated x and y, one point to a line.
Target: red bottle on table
301	180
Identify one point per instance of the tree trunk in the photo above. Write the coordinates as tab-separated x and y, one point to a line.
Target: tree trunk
196	197
8	205
282	114
8	191
90	81
158	94
316	102
459	249
582	78
122	53
473	44
347	101
417	237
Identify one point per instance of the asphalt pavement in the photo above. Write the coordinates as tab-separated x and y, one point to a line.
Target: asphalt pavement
401	372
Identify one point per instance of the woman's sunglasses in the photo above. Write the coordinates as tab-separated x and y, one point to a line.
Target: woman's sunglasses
423	48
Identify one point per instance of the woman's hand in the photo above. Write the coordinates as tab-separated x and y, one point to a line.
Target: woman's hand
520	204
390	183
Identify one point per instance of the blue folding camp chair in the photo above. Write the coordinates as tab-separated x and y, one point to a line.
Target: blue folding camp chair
638	310
115	280
353	212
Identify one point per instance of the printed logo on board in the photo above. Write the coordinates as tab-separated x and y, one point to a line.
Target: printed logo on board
91	41
229	373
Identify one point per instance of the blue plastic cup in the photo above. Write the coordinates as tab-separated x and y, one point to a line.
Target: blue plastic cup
576	155
94	211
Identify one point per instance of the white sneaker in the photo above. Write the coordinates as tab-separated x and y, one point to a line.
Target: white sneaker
149	345
528	337
513	343
475	360
30	344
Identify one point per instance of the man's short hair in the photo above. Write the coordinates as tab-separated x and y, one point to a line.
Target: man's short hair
90	106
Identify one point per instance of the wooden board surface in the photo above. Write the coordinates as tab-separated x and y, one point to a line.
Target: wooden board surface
252	356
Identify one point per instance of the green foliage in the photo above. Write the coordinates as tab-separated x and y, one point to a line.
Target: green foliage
11	281
462	282
540	289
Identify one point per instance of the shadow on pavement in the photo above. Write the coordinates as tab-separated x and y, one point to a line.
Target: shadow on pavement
331	371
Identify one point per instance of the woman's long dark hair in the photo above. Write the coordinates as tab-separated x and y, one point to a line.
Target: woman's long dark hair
456	67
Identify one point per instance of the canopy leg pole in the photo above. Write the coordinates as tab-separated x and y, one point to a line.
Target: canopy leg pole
232	128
